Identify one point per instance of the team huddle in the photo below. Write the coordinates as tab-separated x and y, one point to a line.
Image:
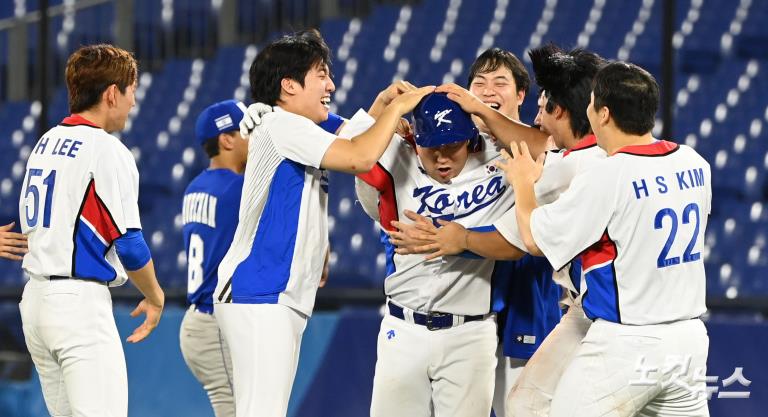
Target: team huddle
531	270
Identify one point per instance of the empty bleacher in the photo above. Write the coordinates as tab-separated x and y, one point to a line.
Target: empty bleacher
720	95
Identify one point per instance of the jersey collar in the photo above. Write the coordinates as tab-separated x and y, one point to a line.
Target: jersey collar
77	120
658	148
586	142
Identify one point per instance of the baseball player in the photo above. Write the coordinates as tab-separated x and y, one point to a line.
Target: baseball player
444	180
500	80
209	213
79	210
638	219
269	277
565	79
12	245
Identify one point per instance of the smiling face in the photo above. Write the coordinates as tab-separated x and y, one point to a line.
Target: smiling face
313	99
498	90
444	162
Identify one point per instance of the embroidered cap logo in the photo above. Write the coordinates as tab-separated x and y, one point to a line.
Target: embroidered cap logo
440	117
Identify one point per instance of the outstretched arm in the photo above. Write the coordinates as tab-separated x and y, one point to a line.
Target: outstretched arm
449	239
503	128
361	152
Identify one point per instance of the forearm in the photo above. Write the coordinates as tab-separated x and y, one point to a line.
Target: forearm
492	245
371	144
145	280
507	131
525	203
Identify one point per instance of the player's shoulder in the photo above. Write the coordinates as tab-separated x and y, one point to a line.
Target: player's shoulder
216	182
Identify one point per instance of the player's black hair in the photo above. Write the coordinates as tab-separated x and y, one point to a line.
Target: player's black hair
566	78
630	93
494	58
211	147
291	56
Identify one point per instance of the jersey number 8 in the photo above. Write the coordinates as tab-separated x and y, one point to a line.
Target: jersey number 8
194	263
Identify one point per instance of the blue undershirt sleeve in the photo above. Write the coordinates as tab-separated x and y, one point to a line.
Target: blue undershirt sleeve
132	250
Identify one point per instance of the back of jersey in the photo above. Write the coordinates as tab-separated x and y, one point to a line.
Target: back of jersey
79	194
648	267
210	212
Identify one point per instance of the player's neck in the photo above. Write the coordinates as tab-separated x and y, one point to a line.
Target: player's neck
95	115
620	140
221	161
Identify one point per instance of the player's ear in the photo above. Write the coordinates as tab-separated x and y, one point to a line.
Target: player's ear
288	86
109	96
558	112
604	115
226	141
520	97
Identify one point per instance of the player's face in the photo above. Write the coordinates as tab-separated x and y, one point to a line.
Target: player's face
444	162
315	97
546	121
541	102
123	105
498	90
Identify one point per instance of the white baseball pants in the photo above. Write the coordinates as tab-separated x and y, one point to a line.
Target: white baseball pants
622	370
207	356
532	394
264	342
508	370
70	332
448	371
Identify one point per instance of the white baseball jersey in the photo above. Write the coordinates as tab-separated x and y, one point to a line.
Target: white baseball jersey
80	193
560	167
476	197
279	248
639	218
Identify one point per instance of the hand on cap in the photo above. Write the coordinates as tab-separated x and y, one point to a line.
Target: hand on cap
252	117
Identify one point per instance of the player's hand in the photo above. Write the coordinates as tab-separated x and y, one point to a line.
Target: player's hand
12	245
252	117
448	239
407	237
463	97
406	101
153	313
520	168
385	97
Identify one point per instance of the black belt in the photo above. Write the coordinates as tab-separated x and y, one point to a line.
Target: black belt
60	277
433	320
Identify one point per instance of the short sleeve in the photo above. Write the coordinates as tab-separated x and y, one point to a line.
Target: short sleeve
297	138
506	225
116	182
358	124
576	220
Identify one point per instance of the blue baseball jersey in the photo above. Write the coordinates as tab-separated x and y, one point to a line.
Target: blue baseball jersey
526	300
211	203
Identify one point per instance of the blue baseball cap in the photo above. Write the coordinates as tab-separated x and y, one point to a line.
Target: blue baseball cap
221	117
438	121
